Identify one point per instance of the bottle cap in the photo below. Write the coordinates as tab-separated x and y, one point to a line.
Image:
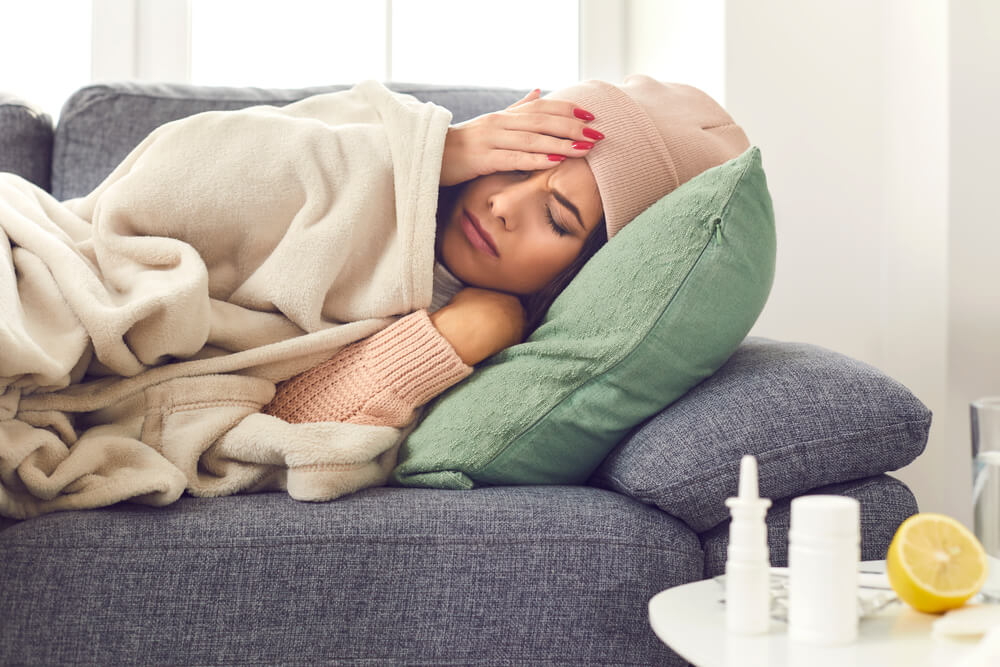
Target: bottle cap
826	516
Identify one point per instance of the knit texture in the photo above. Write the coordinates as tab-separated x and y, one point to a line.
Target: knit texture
380	380
658	137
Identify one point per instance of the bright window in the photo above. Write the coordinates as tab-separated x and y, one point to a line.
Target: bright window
287	44
45	50
46	47
514	43
291	43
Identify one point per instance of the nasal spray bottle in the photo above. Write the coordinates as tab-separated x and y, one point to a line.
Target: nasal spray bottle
747	565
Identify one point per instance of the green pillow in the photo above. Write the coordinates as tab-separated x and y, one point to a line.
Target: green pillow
658	309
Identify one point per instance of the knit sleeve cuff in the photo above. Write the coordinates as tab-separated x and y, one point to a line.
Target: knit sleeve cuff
380	380
415	360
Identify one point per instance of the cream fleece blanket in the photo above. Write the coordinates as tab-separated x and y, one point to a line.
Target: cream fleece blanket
143	326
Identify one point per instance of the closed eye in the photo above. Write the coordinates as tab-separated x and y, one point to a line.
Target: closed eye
556	227
561	231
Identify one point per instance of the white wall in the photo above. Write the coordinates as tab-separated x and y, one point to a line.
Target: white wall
804	78
677	40
915	230
974	218
876	122
850	102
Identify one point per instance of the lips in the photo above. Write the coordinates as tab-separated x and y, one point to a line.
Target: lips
477	236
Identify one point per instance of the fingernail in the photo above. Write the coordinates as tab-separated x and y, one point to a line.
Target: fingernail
557	158
592	133
582	145
583	115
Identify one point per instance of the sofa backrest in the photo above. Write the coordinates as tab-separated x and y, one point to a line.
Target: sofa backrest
25	140
100	124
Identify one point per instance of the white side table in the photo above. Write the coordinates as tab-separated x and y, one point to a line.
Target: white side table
691	619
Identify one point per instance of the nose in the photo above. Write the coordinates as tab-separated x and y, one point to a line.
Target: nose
495	210
505	204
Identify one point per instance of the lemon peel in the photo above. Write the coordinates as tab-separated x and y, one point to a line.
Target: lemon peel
934	563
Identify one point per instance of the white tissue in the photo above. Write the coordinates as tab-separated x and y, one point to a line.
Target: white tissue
971	620
986	653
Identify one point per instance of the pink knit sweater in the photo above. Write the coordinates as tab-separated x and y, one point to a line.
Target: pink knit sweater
380	380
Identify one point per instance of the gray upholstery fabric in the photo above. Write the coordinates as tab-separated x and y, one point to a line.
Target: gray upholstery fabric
885	503
811	416
100	124
527	575
25	141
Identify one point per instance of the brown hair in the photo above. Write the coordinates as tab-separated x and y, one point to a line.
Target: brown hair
537	304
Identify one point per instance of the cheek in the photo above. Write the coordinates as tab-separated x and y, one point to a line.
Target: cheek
452	252
547	260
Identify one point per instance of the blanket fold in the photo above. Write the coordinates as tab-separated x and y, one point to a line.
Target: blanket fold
143	326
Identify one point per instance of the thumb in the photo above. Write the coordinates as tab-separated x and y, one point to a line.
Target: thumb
533	95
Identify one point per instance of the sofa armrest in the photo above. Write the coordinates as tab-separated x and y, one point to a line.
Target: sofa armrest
812	417
885	503
25	141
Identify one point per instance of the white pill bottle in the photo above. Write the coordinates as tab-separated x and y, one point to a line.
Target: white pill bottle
824	550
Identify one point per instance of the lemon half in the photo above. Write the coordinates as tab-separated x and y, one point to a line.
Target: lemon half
935	563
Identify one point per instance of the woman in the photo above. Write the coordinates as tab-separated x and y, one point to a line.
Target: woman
145	325
528	195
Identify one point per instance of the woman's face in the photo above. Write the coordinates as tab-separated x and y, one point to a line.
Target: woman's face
516	231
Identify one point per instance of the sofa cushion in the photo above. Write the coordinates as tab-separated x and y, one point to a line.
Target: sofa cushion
101	124
25	141
811	417
656	310
885	503
524	576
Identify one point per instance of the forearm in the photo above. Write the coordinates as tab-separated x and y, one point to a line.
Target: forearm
380	380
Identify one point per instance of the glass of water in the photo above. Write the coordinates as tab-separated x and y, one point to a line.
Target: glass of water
985	416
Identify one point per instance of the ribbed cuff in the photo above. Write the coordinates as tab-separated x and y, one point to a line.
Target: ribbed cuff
380	380
415	360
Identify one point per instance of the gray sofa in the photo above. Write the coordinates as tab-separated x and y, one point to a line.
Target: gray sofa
557	575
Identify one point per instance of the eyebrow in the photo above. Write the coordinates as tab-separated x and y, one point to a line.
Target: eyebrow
569	205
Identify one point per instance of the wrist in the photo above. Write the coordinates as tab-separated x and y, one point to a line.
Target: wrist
455	329
454	169
446	157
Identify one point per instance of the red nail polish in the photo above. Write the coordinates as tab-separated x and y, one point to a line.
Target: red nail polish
592	133
583	115
557	158
582	145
